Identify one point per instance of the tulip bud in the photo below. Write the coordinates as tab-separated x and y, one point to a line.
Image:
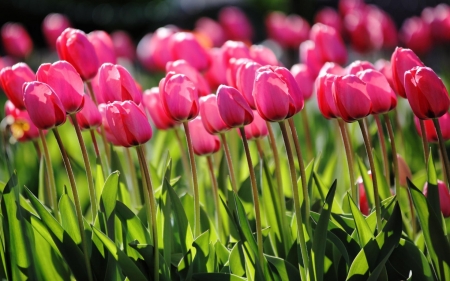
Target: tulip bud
325	98
403	170
109	135
330	17
117	84
16	40
430	129
385	67
154	49
152	102
232	69
288	31
203	142
426	93
183	67
257	129
128	123
444	197
309	56
236	50
184	46
363	203
402	60
263	55
233	108
52	26
356	25
328	43
44	107
209	110
358	66
103	46
380	92
216	73
123	45
12	80
235	24
146	58
245	78
89	117
211	29
304	78
415	33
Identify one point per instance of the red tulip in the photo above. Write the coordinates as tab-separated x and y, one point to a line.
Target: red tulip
73	46
276	93
184	46
351	98
328	43
304	78
179	97
65	81
257	129
444	197
311	57
438	18
211	118
358	66
89	117
233	108
382	29
211	29
235	24
416	35
263	55
346	6
402	60
203	142
103	45
152	102
426	93
357	27
330	17
363	203
52	26
325	98
380	92
183	67
117	84
123	45
16	40
216	74
385	67
128	123
245	77
109	135
12	79
44	107
430	130
288	31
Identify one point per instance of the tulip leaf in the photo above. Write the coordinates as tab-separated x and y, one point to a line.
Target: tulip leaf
362	227
368	184
433	190
237	260
216	277
69	218
109	194
131	225
383	187
285	270
99	180
336	207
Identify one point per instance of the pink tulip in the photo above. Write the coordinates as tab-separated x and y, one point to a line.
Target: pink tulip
438	18
123	45
184	46
152	102
103	45
117	84
235	24
416	35
329	43
358	66
16	40
183	67
380	92
12	80
233	108
430	130
128	123
73	46
263	55
330	17
325	98
89	117
158	46
22	128
203	142
179	97
234	50
402	60
146	58
44	107
211	29
216	74
288	31
10	109
363	203
356	25
52	26
444	197
346	6
257	129
311	57
232	69
209	110
304	78
385	67
245	78
109	135
382	29
65	81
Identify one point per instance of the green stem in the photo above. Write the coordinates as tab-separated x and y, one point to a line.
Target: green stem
373	171
197	228
215	190
133	176
383	149
426	146
349	154
442	147
399	130
38	148
255	197
76	200
151	208
309	145
298	215
226	148
87	165
184	159
394	153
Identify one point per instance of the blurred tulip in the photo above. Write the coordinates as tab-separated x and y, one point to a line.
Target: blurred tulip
6	61
288	31
346	6
74	46
211	118
235	24
212	29
444	197
103	45
234	50
304	78
22	128
203	142
380	92
309	56
323	85
117	84
245	78
123	45
363	203
232	69
43	105
426	93
263	55
65	81
329	43
233	108
89	117
10	109
382	29
179	97
276	93
330	17
152	102
158	47
356	25
145	57
128	123
184	46
402	60
403	170
12	80
183	67
257	129
16	40
52	26
416	35
216	73
385	67
358	66
430	130
438	18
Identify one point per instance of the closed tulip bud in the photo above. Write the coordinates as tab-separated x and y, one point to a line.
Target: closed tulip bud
236	24
123	45
288	31
325	98
65	81
245	78
363	202
74	46
128	123
202	141
381	27
232	69
380	92
89	117
216	73
358	29
426	93
179	97
257	129
430	129
358	66
12	79
415	33
211	118
109	135
438	18
263	55
152	102
328	43
402	60
184	46
103	46
234	50
44	107
16	40
52	26
304	78
145	58
346	6
276	93
183	67
404	172
385	67
444	197
233	108
311	57
351	98
117	84
211	29
153	49
330	17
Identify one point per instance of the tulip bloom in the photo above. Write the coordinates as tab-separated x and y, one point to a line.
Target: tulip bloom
123	45
211	118
179	97
103	45
232	69
109	135
233	108
380	92
263	55
385	67
330	17
358	66
52	26
288	31
325	98
65	81
183	67
128	123
304	78
73	46
89	117
328	43
245	77
12	79
216	73
117	84
430	129
358	29
426	93
211	29
44	107
309	56
444	197
16	40
203	142
415	33
257	129
276	93
351	98
184	46
236	50
152	102
235	24
22	129
402	60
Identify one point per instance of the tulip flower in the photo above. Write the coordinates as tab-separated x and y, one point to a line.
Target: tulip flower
183	67
152	102
154	48
234	50
123	45
52	26
203	142
245	77
310	57
74	46
357	27
330	17
44	106
438	18
235	24
211	29
346	6
329	43
22	128
380	92
430	130
382	29
184	46
65	81
444	197
89	117
12	79
103	45
257	129
304	78
216	74
233	66
211	118
128	123
117	84
402	60
10	109
363	202
16	40
288	31
145	58
276	93
426	93
325	97
263	55
233	108
385	67
108	134
415	33
358	66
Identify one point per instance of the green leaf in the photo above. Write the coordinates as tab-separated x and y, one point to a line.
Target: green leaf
216	277
132	225
201	244
69	218
285	270
109	194
364	232
368	184
237	260
383	187
336	207
433	191
99	180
